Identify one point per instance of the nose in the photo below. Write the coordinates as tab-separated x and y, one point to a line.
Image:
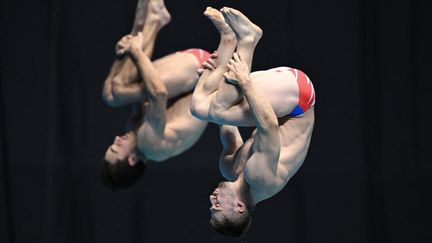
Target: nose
117	139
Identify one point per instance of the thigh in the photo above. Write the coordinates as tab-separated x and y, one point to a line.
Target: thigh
178	71
280	89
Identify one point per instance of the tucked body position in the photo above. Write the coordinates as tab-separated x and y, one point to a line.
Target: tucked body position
161	125
279	102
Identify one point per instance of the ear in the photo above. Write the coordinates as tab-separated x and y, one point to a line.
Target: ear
133	159
241	207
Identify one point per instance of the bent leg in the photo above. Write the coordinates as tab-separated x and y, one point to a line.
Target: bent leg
123	78
228	106
209	80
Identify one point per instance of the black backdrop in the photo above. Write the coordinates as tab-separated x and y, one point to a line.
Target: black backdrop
365	178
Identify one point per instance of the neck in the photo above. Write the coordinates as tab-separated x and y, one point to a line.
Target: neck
243	190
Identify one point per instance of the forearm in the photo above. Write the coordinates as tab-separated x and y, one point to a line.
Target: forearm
153	86
261	108
155	91
120	87
127	93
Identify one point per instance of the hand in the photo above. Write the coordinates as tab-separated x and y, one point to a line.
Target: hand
122	45
209	64
129	44
238	71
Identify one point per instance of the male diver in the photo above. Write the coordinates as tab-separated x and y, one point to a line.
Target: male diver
278	102
161	125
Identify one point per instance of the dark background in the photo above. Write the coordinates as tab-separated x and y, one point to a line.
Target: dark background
365	179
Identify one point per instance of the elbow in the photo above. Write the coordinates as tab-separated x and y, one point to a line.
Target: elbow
110	100
198	112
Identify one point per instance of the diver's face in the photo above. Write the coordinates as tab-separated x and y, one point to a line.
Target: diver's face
122	147
222	200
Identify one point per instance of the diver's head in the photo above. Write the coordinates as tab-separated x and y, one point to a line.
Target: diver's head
231	212
122	164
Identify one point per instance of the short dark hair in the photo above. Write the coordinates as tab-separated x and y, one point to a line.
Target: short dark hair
121	174
233	228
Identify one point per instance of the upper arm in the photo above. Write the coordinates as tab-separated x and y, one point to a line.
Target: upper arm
262	166
231	141
230	138
153	134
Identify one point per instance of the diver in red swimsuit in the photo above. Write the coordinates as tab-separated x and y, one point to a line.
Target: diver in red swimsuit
161	125
279	102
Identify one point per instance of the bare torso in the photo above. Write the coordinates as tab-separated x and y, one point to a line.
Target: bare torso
295	135
181	132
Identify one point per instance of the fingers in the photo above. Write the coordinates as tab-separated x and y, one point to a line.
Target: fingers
226	76
121	52
231	62
123	43
236	57
230	67
229	79
200	71
212	62
125	38
214	55
208	66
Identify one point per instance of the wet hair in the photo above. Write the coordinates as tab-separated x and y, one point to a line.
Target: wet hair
233	228
121	174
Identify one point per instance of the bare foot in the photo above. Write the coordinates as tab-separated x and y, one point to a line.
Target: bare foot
218	20
245	30
158	13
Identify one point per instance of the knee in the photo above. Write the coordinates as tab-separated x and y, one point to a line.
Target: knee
198	108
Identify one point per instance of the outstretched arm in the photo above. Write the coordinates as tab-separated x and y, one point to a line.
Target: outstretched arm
262	166
231	141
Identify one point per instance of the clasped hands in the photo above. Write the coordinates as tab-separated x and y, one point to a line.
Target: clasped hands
237	69
129	44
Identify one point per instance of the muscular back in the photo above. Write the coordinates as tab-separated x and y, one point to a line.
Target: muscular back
295	135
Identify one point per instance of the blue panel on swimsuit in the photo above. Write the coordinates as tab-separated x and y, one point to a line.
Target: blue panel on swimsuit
297	111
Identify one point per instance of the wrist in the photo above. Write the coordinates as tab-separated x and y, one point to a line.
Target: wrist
244	81
134	50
